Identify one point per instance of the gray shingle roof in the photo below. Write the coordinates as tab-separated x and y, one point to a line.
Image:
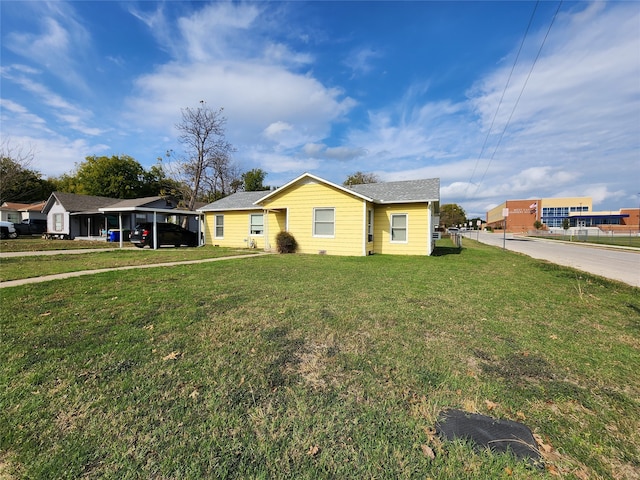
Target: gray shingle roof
235	201
81	203
401	191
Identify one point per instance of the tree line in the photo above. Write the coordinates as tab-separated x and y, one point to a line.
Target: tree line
203	172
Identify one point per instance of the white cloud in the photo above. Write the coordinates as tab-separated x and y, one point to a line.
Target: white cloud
580	108
360	61
59	43
257	98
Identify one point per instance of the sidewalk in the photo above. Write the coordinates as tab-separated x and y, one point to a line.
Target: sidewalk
59	276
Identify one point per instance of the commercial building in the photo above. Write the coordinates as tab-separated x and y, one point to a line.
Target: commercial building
520	216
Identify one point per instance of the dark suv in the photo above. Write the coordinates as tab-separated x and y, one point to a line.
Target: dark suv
168	234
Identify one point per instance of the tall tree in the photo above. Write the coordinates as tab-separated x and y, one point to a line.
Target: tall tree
18	183
452	214
359	178
207	161
115	176
253	180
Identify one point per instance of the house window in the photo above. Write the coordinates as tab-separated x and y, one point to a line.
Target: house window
370	225
323	222
399	228
58	222
219	226
256	224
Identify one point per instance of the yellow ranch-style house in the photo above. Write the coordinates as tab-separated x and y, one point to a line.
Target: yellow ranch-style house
326	218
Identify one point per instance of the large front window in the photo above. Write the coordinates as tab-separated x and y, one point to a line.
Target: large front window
324	222
219	226
399	228
256	226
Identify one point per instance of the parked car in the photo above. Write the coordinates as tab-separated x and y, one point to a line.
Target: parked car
168	234
31	226
7	230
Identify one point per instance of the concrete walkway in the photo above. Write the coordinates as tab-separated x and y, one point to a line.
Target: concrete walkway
58	276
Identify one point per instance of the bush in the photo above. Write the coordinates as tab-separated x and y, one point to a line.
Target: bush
286	243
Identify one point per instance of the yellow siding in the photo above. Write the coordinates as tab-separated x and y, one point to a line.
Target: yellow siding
236	229
299	201
418	230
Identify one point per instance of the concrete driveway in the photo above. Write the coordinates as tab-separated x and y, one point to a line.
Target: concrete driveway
622	264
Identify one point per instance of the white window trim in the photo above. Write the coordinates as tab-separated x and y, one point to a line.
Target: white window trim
250	225
406	228
314	222
215	225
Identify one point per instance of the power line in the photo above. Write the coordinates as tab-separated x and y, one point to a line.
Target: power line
544	40
504	91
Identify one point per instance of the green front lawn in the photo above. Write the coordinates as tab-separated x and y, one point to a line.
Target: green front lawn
293	366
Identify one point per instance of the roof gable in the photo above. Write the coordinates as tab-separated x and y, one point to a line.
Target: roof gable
307	177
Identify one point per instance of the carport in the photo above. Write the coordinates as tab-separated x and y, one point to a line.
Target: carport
129	213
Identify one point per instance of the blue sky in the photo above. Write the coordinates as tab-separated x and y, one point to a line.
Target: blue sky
402	89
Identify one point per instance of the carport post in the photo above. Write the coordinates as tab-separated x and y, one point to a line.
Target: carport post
120	227
155	230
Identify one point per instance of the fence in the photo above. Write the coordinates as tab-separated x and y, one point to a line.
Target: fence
630	237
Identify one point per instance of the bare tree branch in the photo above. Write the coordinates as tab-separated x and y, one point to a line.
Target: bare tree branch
207	162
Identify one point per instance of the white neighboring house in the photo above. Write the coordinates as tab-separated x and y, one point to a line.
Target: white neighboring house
70	215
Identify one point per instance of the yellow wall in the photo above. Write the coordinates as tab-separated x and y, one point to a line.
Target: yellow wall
418	230
293	210
300	199
568	202
495	214
236	229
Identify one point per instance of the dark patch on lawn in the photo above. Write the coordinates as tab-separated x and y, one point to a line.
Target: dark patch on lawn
285	356
519	367
442	251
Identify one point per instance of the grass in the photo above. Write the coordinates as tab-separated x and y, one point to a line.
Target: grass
36	244
631	240
14	268
293	366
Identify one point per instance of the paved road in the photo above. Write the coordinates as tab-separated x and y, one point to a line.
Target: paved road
614	263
